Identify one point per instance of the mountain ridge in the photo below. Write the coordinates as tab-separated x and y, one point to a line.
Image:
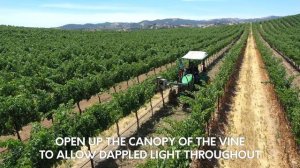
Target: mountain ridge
162	23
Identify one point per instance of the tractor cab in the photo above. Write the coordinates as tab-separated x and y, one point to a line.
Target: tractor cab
188	76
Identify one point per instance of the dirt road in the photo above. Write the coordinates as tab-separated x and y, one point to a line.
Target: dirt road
256	115
173	113
128	126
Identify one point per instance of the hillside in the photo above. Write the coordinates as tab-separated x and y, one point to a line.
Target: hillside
164	23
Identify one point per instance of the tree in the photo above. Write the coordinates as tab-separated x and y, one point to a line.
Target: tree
86	127
18	111
41	139
102	114
76	89
45	103
15	151
115	114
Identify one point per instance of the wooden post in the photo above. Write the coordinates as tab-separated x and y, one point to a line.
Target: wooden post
127	83
162	96
99	98
218	103
92	162
138	79
151	106
80	111
115	89
137	120
206	127
118	129
203	64
17	131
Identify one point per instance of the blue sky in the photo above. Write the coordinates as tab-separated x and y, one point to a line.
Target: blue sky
46	13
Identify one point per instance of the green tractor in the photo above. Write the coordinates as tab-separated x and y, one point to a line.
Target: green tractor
187	76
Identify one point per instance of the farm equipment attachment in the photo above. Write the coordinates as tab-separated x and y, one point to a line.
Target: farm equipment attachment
187	77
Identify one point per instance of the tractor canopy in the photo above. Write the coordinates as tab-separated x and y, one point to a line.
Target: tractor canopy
195	55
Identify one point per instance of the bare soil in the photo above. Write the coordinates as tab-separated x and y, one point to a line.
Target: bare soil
149	122
256	115
173	112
